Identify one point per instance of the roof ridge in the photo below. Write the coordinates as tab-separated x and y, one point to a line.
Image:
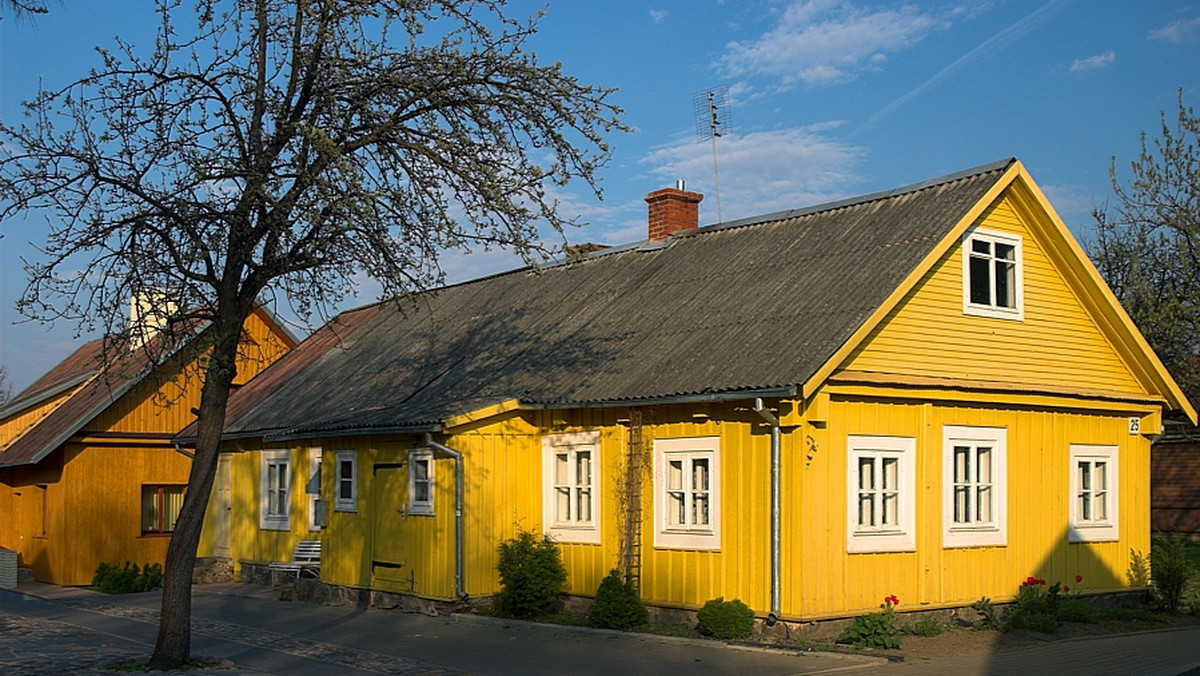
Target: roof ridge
857	200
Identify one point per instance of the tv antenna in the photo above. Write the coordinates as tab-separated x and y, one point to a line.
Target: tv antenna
712	120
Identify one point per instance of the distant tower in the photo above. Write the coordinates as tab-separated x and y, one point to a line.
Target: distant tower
712	120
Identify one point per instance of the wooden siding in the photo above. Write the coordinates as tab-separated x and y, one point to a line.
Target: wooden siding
821	579
1057	344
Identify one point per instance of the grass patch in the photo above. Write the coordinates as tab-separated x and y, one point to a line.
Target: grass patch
1131	619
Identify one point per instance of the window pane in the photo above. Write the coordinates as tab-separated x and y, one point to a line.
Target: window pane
983	507
583	468
1101	475
1006	280
866	474
172	504
1085	506
700	510
700	474
891	468
983	465
347	469
675	508
421	469
891	506
675	475
981	246
149	508
561	468
866	510
980	282
962	504
584	513
562	504
1085	476
962	464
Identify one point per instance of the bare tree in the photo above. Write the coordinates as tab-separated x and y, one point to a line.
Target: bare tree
1148	247
6	391
284	147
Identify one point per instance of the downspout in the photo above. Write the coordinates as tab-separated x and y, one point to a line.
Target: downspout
771	420
458	511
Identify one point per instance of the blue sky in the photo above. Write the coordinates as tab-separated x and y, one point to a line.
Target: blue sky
828	99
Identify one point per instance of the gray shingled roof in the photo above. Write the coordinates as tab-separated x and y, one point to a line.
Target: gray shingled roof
754	305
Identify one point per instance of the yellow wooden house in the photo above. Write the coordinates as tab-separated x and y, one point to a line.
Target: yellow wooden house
88	469
927	393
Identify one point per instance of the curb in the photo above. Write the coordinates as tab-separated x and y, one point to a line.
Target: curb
799	651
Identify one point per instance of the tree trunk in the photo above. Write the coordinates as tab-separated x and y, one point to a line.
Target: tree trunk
174	644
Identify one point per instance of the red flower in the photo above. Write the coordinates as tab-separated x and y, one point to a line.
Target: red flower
891	600
1066	588
1079	578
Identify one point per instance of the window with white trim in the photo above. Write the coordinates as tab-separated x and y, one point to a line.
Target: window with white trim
346	487
881	494
316	506
420	481
571	490
974	479
687	493
993	274
274	505
1093	493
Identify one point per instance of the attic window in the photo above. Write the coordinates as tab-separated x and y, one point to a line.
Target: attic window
992	275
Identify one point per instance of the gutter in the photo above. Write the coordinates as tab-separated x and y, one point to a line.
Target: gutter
458	511
771	420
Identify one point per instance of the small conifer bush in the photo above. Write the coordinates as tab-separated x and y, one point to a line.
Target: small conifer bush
111	578
617	604
726	619
531	575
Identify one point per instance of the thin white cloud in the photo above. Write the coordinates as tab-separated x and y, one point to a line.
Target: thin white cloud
764	171
1093	62
657	15
822	42
986	48
1183	30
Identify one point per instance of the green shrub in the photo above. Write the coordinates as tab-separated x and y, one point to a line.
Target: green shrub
874	630
531	575
1074	610
1170	569
930	625
617	604
988	619
1034	609
111	578
725	619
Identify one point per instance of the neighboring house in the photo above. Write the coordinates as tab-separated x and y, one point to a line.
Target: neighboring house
927	392
1175	482
88	471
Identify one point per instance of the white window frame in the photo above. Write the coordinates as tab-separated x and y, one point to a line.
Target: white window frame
899	536
688	451
313	489
270	517
340	503
1092	529
979	532
572	528
991	309
416	457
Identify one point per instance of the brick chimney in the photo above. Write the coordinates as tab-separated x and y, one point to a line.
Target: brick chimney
673	210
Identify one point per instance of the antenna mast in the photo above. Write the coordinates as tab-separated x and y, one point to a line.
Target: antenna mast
711	107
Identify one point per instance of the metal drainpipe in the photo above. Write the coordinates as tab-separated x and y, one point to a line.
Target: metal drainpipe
766	415
458	512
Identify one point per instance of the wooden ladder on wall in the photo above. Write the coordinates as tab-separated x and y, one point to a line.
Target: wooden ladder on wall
631	541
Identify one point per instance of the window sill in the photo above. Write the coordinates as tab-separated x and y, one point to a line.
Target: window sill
155	535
